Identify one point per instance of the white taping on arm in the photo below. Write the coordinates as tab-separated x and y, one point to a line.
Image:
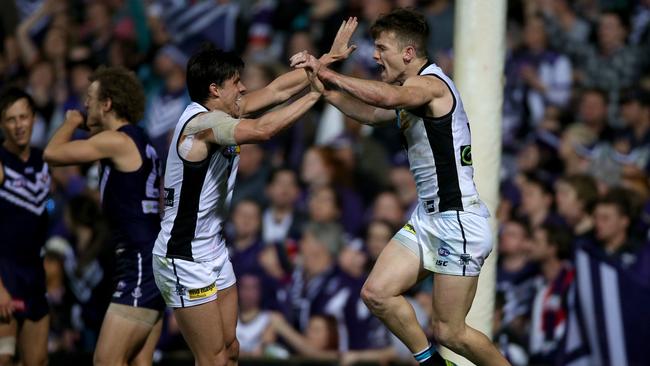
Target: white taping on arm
221	124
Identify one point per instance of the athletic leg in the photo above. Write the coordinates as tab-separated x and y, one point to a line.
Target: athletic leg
8	332
202	328
397	269
123	334
32	340
145	356
227	301
452	299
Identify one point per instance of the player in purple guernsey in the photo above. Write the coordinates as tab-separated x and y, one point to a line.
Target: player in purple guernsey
129	188
24	190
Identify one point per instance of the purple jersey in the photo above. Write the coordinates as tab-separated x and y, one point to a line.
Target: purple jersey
130	200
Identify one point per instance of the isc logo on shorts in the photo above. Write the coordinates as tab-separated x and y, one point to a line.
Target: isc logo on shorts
201	293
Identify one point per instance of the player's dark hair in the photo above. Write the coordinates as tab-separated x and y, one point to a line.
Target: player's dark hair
11	96
409	26
210	65
124	90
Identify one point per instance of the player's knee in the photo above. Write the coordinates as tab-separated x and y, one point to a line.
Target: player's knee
212	357
220	359
232	350
450	336
103	358
372	297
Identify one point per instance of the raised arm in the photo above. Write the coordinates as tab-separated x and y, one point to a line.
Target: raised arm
28	50
286	85
218	127
62	151
358	110
415	92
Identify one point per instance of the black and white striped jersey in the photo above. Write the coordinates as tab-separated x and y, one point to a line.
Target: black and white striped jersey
196	199
440	154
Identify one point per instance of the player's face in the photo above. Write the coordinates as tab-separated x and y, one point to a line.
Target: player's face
94	108
389	56
17	123
230	94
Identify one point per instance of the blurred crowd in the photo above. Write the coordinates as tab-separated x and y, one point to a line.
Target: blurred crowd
313	208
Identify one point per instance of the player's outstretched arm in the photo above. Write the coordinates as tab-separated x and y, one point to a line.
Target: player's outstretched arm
62	151
415	92
219	128
358	110
286	85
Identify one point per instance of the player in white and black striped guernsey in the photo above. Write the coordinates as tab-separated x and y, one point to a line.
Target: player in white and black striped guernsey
191	264
448	233
24	191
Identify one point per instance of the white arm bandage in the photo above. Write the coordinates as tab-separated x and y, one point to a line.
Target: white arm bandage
221	124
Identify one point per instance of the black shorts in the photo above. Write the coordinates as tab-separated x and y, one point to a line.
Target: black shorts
26	282
134	281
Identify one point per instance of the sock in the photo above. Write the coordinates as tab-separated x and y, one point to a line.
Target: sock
429	357
424	356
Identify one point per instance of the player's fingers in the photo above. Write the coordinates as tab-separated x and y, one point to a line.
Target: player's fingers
349	50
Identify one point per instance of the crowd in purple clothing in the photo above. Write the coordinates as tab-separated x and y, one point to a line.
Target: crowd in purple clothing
313	208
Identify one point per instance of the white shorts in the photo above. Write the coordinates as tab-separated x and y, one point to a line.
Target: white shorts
185	283
451	242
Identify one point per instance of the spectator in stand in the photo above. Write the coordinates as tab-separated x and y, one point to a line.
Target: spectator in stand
537	200
281	220
253	321
614	217
576	196
321	167
550	249
324	205
387	206
165	105
378	234
633	144
319	341
245	239
401	180
316	277
611	65
515	281
537	78
252	174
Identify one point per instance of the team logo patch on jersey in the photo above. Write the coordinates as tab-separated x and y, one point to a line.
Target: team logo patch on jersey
169	197
443	252
466	155
408	227
201	293
464	259
231	150
180	289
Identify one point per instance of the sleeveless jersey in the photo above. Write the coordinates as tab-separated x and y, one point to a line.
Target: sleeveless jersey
130	200
23	197
197	195
440	154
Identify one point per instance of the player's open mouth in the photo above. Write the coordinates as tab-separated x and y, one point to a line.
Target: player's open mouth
381	67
